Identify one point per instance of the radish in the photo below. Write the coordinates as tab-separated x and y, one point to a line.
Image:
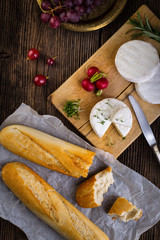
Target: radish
87	85
91	71
102	83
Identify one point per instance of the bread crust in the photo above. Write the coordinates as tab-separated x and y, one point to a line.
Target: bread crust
46	150
122	206
46	203
85	193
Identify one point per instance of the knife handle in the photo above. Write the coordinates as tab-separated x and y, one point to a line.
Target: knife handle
157	153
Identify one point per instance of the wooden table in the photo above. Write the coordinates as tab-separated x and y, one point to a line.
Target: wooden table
21	29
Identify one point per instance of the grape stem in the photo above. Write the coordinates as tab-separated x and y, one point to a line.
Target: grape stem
52	10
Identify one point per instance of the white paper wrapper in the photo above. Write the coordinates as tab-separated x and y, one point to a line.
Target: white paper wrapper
128	184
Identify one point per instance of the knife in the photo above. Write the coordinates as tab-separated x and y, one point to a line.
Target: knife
145	127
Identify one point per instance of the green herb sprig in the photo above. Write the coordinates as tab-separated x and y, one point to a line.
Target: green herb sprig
72	108
144	29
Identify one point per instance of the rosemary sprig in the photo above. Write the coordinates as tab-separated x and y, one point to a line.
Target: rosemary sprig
97	76
72	108
144	29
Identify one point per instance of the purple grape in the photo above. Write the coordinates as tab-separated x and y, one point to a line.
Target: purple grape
68	3
60	10
56	2
45	17
63	17
88	2
88	9
78	2
54	22
46	5
73	16
97	2
80	9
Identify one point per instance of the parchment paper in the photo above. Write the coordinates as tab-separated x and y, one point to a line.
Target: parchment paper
128	184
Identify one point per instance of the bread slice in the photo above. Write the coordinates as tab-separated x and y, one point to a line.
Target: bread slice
124	210
46	150
47	204
90	193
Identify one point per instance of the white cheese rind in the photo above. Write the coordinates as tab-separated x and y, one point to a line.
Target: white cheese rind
150	91
102	115
137	61
122	120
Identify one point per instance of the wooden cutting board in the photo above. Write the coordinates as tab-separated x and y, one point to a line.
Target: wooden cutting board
118	88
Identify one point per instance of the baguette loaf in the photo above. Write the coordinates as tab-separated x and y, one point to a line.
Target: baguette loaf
49	205
89	194
47	151
124	210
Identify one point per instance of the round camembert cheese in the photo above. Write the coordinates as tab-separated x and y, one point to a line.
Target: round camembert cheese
150	91
137	61
111	110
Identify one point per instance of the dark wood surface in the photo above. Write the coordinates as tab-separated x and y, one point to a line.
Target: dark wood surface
21	29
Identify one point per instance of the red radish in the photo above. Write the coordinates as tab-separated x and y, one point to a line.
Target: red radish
87	85
102	83
91	71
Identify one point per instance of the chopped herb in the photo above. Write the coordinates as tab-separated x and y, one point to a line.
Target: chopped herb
102	122
98	109
108	104
107	118
102	114
119	120
72	108
123	138
96	116
110	144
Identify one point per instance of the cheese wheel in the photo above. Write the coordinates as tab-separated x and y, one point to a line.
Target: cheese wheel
150	91
137	61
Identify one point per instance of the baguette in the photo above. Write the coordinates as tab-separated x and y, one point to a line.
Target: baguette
89	194
49	205
124	210
46	150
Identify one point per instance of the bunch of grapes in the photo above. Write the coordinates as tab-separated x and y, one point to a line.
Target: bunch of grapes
66	11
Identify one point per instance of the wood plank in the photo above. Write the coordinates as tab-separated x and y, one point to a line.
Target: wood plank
21	29
118	88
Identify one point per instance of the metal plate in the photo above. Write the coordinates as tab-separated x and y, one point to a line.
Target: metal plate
98	18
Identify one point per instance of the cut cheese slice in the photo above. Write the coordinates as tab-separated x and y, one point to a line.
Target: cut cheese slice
137	61
110	110
150	91
122	120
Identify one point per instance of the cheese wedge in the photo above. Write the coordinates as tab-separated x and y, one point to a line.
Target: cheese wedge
108	111
122	120
137	61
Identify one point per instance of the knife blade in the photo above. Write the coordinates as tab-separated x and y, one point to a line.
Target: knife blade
145	127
